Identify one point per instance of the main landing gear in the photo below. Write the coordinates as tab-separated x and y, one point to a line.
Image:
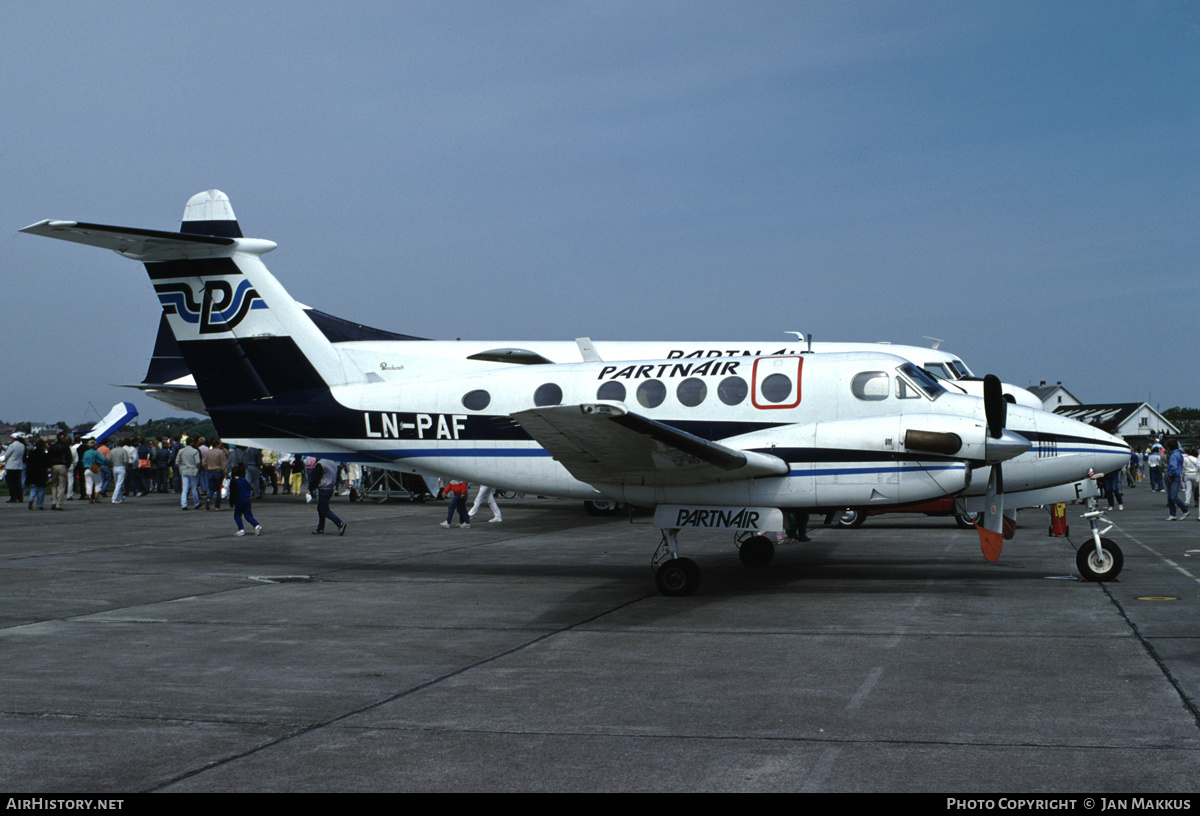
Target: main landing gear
678	576
675	576
1099	559
603	508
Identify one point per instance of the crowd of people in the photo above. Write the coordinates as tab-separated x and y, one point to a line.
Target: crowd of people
1167	468
210	470
194	468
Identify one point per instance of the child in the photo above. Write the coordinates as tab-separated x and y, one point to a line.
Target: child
458	500
240	496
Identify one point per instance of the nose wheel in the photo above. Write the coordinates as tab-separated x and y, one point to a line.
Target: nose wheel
1102	565
1100	559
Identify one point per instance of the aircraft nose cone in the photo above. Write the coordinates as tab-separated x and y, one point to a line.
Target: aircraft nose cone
1009	446
1113	456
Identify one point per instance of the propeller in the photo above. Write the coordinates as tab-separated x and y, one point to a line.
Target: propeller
994	406
1002	444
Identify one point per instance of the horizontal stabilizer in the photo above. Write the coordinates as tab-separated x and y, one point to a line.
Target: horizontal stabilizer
183	397
602	443
139	244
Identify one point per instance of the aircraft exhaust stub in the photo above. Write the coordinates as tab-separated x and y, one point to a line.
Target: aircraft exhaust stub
933	442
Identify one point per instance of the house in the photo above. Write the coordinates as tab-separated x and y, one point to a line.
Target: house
1134	421
1053	397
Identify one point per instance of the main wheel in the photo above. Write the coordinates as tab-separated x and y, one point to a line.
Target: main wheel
678	577
602	508
967	520
757	551
850	517
1105	567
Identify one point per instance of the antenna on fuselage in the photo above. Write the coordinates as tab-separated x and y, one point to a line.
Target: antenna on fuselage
800	336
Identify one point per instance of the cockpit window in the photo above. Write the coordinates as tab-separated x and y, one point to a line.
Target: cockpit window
960	368
906	391
870	385
939	370
922	381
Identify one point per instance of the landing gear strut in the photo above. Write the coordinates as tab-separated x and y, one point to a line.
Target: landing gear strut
1100	559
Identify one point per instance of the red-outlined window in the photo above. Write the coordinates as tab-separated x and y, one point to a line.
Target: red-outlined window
776	382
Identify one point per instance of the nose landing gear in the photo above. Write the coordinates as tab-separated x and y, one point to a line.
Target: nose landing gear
1100	559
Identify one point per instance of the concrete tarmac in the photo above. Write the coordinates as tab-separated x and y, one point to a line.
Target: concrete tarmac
148	649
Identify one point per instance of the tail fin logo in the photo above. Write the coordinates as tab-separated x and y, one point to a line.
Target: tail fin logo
218	309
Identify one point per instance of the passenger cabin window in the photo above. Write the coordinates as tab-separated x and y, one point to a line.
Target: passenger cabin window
733	390
651	393
691	392
870	385
476	400
548	394
614	391
776	387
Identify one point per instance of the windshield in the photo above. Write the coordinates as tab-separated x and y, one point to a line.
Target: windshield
941	371
959	367
922	381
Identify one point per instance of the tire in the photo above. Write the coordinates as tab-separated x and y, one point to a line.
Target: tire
967	520
1099	569
602	508
756	551
850	517
678	577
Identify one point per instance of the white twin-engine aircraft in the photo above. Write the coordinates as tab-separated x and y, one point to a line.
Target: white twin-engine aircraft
712	442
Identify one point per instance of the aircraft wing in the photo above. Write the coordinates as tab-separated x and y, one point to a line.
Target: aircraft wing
603	443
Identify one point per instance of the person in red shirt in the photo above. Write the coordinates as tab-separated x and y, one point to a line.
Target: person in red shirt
458	500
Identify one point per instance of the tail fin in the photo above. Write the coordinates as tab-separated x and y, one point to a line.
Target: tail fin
242	335
210	213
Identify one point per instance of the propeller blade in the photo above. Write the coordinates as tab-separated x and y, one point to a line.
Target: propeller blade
994	405
991	535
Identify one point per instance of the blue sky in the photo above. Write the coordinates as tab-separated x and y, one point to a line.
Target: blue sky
1020	179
